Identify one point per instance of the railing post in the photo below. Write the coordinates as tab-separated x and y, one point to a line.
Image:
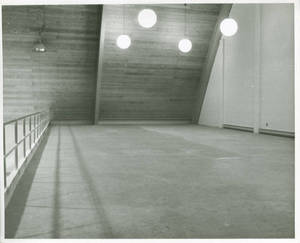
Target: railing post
4	157
24	134
34	130
30	132
16	143
39	124
35	126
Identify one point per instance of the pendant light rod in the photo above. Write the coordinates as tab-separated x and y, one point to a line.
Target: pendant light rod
123	41
42	28
123	10
39	46
185	20
185	45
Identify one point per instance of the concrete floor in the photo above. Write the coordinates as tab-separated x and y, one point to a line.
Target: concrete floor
155	182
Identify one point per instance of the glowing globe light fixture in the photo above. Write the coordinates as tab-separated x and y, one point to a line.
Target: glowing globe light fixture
147	18
228	27
185	45
123	41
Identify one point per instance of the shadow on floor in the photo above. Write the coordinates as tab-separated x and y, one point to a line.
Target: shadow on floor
15	209
93	193
56	200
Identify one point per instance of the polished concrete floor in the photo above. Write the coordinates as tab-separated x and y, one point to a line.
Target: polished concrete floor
180	181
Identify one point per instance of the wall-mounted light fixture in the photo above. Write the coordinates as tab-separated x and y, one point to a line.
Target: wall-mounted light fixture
39	45
123	41
185	45
147	18
228	27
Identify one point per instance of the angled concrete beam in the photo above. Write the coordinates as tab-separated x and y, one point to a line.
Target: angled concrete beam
209	62
100	64
2	170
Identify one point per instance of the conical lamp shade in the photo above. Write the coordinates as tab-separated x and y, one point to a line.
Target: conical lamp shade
39	47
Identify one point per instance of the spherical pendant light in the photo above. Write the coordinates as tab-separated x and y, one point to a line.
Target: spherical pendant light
185	45
147	18
123	41
228	27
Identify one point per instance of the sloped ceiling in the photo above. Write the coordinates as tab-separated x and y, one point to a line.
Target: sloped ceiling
152	79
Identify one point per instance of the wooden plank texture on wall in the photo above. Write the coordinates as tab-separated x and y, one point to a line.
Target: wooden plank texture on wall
152	79
64	77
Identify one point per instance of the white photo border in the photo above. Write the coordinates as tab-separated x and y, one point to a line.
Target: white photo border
99	2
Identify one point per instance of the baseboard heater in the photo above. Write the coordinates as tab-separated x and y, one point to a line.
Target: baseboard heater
277	133
142	122
71	122
261	130
241	128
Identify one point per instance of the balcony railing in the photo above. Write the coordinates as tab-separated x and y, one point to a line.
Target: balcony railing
19	139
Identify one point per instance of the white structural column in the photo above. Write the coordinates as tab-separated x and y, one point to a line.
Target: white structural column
2	207
222	45
297	111
257	68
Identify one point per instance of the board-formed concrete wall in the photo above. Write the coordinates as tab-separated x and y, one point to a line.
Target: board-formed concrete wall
64	77
152	79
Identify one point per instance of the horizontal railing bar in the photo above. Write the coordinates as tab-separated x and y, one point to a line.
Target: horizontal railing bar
23	117
19	142
10	151
30	132
41	120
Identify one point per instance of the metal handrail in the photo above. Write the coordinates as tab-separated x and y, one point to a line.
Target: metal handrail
22	117
36	130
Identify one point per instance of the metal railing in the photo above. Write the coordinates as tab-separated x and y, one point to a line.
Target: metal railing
32	127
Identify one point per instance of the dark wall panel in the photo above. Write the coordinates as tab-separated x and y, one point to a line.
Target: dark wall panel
62	79
152	79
